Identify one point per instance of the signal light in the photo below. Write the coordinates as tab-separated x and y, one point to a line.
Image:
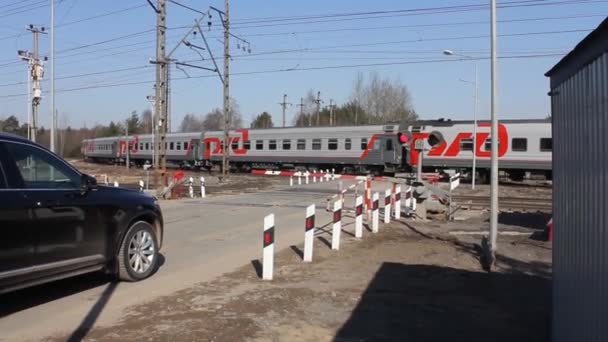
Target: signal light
435	138
404	138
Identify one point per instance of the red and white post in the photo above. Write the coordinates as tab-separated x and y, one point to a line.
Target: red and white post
358	217
203	194
410	201
337	227
299	178
397	202
387	206
268	254
309	234
375	218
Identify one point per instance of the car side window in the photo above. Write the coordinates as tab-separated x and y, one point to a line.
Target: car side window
40	169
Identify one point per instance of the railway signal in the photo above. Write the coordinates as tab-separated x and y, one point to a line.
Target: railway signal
405	138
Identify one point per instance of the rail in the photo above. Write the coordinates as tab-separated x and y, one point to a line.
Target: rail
504	203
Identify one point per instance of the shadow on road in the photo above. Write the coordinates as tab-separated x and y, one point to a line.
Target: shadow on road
89	320
257	266
536	221
434	303
297	250
38	295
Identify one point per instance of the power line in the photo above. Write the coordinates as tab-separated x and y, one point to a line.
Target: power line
408	41
331	67
400	13
425	25
100	16
187	7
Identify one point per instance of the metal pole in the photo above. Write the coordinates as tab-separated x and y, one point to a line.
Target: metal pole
29	99
475	128
419	166
331	112
160	95
284	104
225	161
127	152
494	133
53	120
318	106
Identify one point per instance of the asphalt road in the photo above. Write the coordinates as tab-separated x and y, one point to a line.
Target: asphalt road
203	239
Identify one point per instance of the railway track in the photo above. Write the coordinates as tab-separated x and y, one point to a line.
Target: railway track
505	203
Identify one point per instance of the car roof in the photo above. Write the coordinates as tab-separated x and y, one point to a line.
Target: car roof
13	137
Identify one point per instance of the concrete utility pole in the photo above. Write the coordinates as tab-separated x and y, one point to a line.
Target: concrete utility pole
226	19
152	100
127	151
331	112
494	134
35	75
301	105
160	134
318	102
53	110
284	106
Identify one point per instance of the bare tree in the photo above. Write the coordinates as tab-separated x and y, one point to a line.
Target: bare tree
383	99
214	120
192	123
145	121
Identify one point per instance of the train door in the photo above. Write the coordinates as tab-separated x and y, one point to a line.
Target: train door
115	151
195	153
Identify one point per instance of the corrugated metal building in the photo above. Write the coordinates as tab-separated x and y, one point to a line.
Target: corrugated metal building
579	104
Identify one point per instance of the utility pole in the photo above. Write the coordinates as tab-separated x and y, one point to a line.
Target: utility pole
226	19
301	105
160	147
331	112
152	100
318	102
35	75
168	98
284	106
127	151
494	134
53	110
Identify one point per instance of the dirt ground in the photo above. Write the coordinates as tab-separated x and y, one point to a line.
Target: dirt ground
411	282
237	183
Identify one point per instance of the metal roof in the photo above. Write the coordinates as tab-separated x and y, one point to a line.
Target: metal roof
587	50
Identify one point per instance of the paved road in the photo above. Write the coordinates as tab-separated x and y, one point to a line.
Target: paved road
203	239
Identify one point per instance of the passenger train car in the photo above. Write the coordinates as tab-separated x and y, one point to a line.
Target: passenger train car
524	147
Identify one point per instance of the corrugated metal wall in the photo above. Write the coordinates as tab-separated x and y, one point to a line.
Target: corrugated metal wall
580	178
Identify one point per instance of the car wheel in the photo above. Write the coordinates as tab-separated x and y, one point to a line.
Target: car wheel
138	254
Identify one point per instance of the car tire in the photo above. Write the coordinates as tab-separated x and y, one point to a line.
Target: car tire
138	254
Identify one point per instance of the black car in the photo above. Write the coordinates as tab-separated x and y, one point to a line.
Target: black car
56	222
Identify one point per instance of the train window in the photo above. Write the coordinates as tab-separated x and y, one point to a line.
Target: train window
519	144
247	145
171	145
272	144
185	145
147	146
332	144
316	144
363	143
376	145
235	144
546	144
301	144
389	145
488	145
141	146
347	144
286	144
466	144
259	144
178	145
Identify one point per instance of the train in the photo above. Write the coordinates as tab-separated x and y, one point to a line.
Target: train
524	148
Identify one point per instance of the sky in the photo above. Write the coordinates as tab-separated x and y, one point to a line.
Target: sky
103	49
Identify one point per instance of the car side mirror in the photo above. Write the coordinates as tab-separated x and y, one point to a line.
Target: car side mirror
86	183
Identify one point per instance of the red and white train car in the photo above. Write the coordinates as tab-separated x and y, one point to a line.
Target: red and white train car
525	146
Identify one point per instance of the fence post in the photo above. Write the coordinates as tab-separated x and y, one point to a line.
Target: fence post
358	217
203	194
309	233
375	218
337	226
190	187
268	252
397	208
387	206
